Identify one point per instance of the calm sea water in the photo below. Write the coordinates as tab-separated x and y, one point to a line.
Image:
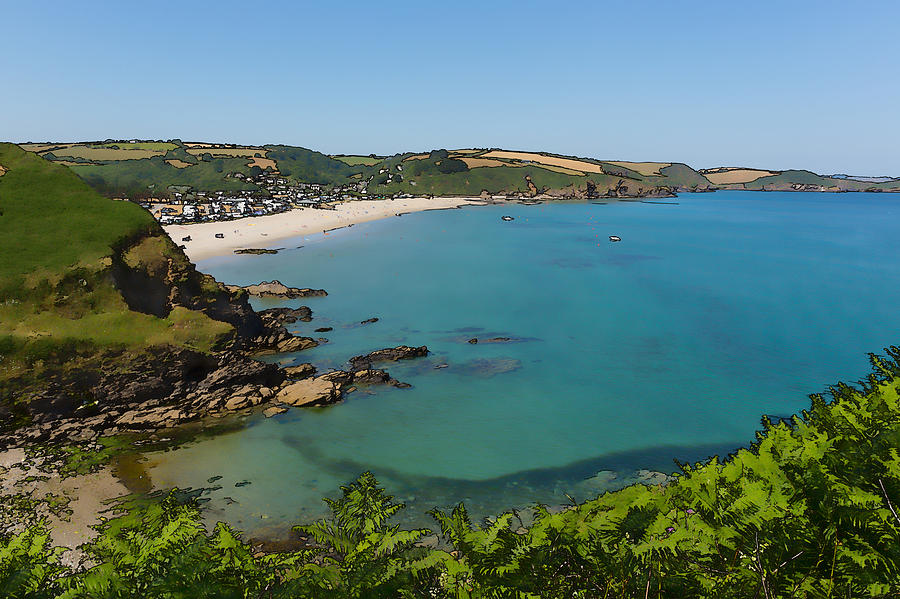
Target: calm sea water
713	310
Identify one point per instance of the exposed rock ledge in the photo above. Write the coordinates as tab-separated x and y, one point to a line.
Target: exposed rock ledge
277	290
389	354
330	387
169	388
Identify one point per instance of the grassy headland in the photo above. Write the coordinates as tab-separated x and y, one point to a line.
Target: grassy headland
83	276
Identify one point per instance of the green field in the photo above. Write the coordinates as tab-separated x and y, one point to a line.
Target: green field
144	169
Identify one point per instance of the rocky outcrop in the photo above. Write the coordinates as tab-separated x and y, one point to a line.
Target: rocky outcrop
302	371
169	387
280	342
275	337
319	391
273	317
390	354
329	388
278	290
153	390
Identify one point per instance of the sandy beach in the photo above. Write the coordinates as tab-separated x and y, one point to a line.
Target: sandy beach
87	497
267	231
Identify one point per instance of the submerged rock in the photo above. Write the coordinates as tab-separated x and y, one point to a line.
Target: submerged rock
488	367
255	251
274	411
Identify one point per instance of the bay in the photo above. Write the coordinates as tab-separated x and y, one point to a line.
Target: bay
713	310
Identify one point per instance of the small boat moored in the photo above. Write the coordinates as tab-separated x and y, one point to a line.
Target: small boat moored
615	238
507	218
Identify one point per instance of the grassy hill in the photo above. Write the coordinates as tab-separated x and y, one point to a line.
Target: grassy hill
154	169
81	275
144	169
790	180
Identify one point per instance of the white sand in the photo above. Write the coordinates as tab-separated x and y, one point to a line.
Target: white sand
266	231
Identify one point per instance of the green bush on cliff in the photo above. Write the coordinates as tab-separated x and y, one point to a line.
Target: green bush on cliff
808	510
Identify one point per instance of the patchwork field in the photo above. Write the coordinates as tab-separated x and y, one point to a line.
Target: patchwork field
178	163
567	163
263	163
648	169
479	162
736	175
226	152
101	153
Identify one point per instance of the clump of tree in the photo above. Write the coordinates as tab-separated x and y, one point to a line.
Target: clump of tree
810	509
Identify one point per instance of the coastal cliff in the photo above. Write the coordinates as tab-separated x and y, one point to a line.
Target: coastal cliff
104	322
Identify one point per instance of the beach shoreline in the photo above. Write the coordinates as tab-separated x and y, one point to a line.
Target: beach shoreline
264	232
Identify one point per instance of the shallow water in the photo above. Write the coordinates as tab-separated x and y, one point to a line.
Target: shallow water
713	310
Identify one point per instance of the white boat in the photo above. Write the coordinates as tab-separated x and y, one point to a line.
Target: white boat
507	218
615	238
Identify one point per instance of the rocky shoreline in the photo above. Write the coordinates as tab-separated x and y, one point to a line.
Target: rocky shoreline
172	386
185	386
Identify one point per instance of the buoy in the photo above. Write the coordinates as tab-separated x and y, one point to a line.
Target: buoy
615	238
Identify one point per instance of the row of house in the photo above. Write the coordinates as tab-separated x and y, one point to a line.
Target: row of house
279	195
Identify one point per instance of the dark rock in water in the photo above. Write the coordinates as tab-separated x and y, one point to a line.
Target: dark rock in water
243	483
213	479
492	340
256	251
323	329
473	340
403	385
277	290
369	320
390	354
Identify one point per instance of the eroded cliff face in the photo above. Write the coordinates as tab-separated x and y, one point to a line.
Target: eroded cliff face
154	276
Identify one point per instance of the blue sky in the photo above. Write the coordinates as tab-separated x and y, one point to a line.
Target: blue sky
766	84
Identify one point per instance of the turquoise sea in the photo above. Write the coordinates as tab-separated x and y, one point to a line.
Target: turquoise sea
713	310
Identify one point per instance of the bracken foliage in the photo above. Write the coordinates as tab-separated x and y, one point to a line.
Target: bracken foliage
808	510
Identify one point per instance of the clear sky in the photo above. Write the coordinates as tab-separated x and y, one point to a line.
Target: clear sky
766	84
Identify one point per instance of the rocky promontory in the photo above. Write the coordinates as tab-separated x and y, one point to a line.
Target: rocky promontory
277	290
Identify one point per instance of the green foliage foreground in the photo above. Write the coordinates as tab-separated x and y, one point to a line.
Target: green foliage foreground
808	510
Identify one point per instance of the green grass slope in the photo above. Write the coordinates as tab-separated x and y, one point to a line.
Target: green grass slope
73	267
